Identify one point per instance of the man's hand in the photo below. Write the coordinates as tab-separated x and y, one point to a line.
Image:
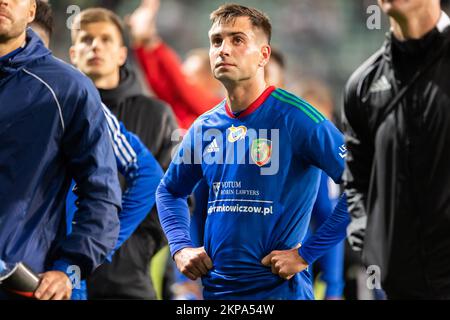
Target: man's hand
193	262
54	285
142	23
285	263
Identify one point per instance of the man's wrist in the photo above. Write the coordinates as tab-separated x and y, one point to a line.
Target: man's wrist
301	255
62	266
178	250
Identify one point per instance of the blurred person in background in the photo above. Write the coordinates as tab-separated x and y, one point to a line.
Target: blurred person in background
397	177
187	87
98	49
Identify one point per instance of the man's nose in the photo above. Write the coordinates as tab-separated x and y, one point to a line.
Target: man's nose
96	43
225	48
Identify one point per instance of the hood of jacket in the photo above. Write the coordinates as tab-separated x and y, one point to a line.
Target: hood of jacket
128	87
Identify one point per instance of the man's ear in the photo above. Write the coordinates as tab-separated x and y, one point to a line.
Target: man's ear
265	55
123	54
32	11
72	55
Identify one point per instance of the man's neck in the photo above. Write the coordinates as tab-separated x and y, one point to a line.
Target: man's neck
241	96
107	82
416	25
12	44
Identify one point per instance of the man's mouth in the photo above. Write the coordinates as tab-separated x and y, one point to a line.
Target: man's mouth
95	61
4	14
224	64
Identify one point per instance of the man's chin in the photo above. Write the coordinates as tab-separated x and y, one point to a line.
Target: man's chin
93	74
396	8
224	77
5	34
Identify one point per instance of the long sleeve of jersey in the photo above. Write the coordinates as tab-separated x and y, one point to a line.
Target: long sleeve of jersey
332	262
321	145
179	181
162	69
332	231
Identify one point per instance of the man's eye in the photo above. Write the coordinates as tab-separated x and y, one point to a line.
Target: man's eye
86	40
217	42
238	40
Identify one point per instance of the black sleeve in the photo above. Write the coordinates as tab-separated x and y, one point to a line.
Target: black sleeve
154	122
168	127
360	149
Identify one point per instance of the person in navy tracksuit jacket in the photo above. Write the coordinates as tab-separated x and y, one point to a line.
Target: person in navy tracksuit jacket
52	129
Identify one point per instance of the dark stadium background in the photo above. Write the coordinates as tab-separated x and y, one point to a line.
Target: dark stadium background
321	38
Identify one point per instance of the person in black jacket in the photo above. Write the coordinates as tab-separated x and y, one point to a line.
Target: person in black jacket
98	50
397	178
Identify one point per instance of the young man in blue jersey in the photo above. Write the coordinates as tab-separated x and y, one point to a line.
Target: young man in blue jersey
260	151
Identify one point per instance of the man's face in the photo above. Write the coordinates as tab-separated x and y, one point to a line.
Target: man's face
98	50
14	17
395	8
237	50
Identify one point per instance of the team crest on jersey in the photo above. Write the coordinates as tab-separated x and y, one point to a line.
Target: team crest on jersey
237	133
261	151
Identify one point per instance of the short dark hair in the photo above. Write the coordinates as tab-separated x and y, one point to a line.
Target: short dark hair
229	12
93	15
44	17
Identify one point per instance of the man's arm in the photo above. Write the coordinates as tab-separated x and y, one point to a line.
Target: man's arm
332	262
87	151
286	263
92	164
321	145
183	174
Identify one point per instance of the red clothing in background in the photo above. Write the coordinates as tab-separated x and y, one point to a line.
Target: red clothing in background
162	69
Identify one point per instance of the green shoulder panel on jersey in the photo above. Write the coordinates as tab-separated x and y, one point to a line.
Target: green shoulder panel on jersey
299	103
